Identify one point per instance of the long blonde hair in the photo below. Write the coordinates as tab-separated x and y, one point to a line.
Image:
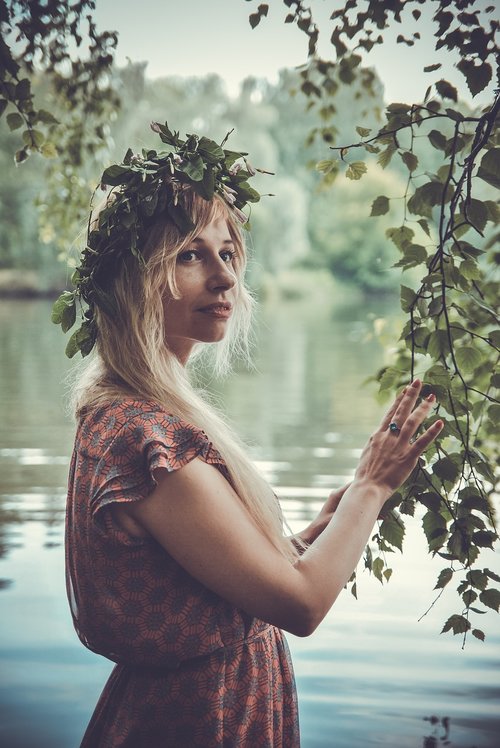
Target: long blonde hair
132	359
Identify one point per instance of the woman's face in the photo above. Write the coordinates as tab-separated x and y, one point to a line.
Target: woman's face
208	286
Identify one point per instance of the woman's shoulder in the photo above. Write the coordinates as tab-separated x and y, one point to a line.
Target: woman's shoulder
138	422
127	411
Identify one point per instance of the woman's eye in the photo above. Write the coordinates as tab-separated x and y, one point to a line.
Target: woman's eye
188	256
228	255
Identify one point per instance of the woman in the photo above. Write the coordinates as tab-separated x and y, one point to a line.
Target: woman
177	565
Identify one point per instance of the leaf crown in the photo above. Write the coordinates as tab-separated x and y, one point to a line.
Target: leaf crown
145	187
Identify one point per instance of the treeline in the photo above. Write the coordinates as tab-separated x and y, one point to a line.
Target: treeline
302	225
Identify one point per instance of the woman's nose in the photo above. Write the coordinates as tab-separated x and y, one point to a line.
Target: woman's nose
222	276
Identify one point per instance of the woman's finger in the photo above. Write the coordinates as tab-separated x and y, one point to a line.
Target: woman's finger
407	403
422	442
386	420
416	418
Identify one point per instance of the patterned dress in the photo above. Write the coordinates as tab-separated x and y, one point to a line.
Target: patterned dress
192	670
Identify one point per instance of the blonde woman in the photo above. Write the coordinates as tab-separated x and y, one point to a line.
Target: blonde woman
178	566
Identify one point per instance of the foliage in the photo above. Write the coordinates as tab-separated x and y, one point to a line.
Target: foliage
339	225
451	339
36	40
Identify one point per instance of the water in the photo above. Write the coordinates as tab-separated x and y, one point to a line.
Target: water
371	675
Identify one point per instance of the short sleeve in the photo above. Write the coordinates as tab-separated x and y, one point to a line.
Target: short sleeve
128	441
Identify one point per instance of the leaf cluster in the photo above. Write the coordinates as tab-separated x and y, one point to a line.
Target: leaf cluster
448	232
44	36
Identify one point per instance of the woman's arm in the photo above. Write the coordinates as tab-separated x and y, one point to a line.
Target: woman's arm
196	516
315	528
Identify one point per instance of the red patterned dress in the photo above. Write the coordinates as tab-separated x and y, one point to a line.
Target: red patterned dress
192	670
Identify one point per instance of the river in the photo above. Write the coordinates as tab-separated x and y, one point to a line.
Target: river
371	675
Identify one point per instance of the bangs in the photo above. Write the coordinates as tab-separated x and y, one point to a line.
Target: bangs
166	240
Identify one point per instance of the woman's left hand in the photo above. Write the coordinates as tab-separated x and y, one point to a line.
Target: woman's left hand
312	531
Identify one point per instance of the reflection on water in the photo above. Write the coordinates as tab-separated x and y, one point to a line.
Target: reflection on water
370	676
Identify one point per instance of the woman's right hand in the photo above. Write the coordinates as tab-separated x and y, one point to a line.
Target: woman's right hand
390	455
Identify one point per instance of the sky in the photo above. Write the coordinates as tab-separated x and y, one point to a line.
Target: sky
196	37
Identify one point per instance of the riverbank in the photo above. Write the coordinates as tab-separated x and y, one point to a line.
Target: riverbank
28	284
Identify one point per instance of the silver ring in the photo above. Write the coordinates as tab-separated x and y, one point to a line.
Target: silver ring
394	428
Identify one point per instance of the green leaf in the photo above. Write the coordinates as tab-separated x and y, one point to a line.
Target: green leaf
408	298
484	538
116	174
413	255
400	236
14	121
356	170
495	380
385	157
468	358
425	198
477	213
469	596
206	187
493	211
255	18
193	167
21	156
48	150
380	206
438	344
476	76
492	575
457	624
377	567
410	160
247	193
490	598
437	139
82	340
37	138
210	150
445	576
46	117
389	378
458	546
446	469
489	169
65	300
3	106
446	90
431	68
494	413
72	347
431	500
474	502
392	530
68	317
363	131
470	270
434	526
477	579
327	166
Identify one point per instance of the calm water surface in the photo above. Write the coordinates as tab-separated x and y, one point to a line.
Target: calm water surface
370	676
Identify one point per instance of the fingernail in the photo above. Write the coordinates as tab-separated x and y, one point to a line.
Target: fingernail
430	398
415	383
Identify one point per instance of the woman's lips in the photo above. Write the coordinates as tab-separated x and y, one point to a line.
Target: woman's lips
220	310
